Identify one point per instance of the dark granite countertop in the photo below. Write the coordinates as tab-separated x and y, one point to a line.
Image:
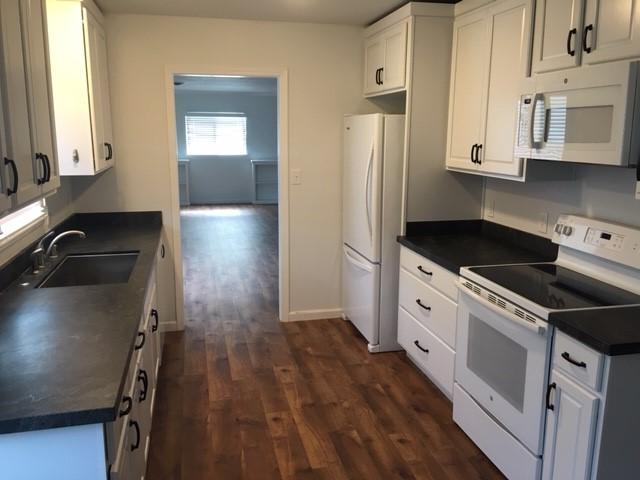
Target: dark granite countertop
612	331
64	352
457	244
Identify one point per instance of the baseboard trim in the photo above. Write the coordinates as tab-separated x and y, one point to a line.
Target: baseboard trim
322	314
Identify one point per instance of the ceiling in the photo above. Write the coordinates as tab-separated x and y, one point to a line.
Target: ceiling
201	83
348	12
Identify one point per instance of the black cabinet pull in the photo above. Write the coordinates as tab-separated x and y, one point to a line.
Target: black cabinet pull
478	161
550	388
144	378
162	252
424	271
43	178
134	424
381	76
473	151
143	336
420	304
126	410
48	165
572	33
568	358
14	189
417	344
154	314
110	150
585	47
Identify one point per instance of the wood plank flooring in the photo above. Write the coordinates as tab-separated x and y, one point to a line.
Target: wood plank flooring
242	396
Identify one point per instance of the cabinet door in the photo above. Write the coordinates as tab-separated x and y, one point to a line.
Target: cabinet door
468	86
107	131
40	102
94	37
570	430
611	31
373	62
395	58
558	37
16	109
5	178
510	26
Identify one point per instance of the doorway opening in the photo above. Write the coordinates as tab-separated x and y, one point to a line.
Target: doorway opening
228	167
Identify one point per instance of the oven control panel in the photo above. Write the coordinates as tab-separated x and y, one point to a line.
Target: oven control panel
615	242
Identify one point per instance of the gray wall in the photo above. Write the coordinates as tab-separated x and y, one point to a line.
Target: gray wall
214	179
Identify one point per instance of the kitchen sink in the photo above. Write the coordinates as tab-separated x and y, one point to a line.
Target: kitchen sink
91	269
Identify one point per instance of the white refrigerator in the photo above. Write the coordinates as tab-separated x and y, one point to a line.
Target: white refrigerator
371	221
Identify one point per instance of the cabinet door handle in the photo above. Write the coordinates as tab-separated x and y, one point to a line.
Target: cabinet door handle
585	47
134	424
473	151
143	337
144	378
48	165
378	79
577	363
162	252
14	189
126	410
422	305
572	33
424	271
550	388
154	314
382	76
43	178
109	150
478	161
420	347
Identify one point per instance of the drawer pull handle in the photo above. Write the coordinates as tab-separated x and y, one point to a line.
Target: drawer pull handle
134	424
419	302
154	314
577	363
550	388
424	271
125	411
143	337
142	377
417	344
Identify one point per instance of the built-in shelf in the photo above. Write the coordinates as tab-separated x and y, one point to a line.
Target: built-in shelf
265	181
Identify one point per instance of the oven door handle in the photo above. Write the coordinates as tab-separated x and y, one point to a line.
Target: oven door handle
534	327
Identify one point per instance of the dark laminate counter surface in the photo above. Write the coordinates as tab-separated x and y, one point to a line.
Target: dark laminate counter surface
453	245
612	331
64	351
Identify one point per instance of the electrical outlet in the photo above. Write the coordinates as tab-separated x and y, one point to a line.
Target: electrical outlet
296	176
491	209
543	222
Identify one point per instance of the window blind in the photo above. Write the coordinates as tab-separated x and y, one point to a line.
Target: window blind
216	134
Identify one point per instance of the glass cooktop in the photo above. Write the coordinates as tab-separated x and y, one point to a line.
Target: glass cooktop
556	287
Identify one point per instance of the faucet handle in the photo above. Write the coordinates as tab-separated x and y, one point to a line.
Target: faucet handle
37	260
43	239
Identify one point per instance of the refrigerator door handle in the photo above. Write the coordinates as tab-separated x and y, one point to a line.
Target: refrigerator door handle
356	263
367	193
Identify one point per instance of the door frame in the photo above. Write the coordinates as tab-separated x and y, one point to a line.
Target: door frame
281	74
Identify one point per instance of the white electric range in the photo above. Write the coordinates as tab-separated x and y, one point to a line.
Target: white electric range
504	342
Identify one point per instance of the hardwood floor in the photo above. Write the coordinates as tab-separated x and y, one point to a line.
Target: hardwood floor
242	396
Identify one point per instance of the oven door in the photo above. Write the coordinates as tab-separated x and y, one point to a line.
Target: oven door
502	362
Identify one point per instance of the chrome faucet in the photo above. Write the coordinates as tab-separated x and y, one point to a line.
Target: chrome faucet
38	255
52	251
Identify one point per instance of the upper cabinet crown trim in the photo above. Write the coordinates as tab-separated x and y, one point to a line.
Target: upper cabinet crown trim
413	9
470	5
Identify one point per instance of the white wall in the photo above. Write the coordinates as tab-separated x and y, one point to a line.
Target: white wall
228	179
325	82
597	191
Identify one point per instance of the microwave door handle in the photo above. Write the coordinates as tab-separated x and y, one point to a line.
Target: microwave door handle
534	327
532	122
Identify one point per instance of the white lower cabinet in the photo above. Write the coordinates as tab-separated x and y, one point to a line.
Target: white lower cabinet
571	423
427	317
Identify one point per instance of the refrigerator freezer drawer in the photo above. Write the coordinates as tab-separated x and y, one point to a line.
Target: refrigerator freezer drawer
361	293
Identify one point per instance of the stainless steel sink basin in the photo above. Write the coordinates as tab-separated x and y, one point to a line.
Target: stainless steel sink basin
91	269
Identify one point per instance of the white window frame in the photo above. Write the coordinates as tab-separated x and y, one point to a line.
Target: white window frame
31	218
243	153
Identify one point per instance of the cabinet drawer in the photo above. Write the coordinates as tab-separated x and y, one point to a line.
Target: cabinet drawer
429	307
430	273
428	352
579	361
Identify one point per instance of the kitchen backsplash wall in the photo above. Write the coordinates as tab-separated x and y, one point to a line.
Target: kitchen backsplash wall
597	191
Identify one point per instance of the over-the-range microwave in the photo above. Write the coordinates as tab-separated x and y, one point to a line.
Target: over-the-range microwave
585	115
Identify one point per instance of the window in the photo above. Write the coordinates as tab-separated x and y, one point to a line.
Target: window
216	133
21	220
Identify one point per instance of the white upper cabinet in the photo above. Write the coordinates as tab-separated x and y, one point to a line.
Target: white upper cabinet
569	33
386	60
80	87
491	59
611	30
558	35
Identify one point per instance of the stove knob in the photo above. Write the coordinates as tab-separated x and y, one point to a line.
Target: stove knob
567	230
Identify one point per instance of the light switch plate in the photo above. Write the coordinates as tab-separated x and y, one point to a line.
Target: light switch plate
491	209
296	176
638	190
